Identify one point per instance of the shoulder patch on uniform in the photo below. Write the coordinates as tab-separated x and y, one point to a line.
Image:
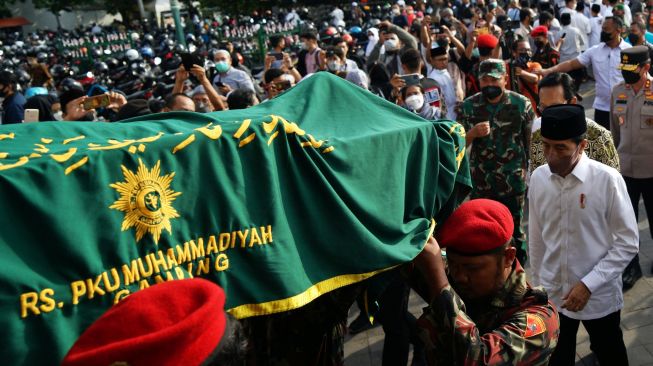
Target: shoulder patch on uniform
534	326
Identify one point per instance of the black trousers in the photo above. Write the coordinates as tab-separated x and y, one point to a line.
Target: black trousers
641	187
606	341
399	326
602	118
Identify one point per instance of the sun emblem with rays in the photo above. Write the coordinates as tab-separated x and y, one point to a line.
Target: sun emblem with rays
146	199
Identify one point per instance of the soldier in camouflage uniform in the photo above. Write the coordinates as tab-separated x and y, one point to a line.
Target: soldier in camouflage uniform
502	320
498	122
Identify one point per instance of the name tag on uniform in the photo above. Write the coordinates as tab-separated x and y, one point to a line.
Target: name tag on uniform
648	102
621	101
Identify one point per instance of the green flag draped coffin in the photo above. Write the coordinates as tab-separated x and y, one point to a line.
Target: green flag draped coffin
319	188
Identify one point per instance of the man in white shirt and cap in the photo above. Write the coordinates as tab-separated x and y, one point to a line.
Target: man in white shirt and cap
582	234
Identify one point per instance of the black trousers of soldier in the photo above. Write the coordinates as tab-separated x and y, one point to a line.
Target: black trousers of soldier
606	341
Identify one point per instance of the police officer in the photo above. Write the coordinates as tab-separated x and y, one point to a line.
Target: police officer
631	124
484	312
498	122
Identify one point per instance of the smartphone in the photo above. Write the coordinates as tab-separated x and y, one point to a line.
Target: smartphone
189	59
31	115
277	55
98	101
411	79
563	35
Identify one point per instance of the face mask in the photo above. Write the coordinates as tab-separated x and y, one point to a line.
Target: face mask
201	107
467	21
633	39
390	44
539	44
370	37
333	66
562	165
396	12
630	77
444	43
491	92
305	46
222	66
58	116
606	37
476	53
524	58
415	102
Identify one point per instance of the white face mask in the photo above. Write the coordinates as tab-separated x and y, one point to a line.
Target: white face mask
390	44
415	102
58	116
396	11
305	45
333	66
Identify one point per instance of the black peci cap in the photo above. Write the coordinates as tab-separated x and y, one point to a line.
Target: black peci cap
563	122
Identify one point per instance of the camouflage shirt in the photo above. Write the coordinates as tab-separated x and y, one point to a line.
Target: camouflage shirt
519	326
498	161
600	147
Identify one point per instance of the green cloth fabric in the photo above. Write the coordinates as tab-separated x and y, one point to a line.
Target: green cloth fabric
324	186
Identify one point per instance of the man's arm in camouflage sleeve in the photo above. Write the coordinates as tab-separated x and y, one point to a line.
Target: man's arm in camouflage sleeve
527	337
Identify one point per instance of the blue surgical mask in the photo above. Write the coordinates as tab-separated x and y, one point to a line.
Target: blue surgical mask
222	66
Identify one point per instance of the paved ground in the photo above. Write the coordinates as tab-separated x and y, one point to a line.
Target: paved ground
365	349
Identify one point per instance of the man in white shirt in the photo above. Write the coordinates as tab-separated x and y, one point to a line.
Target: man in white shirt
579	21
572	43
583	233
595	24
439	61
604	58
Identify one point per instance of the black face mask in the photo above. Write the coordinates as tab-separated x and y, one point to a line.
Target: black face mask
539	44
491	92
633	39
606	37
630	77
524	58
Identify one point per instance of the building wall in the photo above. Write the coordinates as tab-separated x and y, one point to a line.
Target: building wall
44	19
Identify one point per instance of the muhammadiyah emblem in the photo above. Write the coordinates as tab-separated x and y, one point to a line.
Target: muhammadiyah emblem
146	199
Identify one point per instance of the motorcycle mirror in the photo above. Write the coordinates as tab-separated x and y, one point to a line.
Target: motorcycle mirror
157	61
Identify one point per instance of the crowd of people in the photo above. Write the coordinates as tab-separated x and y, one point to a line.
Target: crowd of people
510	74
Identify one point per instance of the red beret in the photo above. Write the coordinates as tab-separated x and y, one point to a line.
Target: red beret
477	227
539	31
172	323
487	41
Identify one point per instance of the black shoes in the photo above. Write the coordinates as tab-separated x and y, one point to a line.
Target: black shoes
361	324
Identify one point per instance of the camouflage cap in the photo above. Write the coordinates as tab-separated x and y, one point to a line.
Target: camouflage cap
492	67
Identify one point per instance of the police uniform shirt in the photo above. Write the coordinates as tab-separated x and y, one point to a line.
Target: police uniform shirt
631	123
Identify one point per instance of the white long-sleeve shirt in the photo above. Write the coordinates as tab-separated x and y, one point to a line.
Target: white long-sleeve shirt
443	78
604	61
581	228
